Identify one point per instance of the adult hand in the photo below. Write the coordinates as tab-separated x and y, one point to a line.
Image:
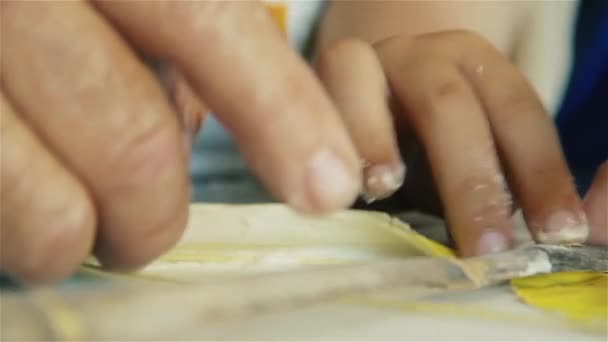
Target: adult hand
92	150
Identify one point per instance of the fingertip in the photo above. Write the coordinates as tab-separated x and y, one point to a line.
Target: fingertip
59	248
492	241
381	181
562	227
574	234
331	183
132	252
488	241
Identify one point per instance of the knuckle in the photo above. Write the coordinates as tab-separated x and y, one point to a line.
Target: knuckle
143	154
341	50
437	97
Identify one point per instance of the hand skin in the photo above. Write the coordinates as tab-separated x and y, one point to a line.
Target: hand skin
93	149
596	207
403	80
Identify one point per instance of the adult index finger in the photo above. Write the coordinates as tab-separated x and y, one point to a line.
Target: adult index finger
282	120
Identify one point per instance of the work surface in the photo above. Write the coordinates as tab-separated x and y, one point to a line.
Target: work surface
225	242
493	314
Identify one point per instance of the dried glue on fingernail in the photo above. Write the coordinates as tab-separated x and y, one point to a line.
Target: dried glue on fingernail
381	181
564	227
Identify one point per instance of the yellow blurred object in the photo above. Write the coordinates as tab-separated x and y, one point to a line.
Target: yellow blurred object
578	296
278	11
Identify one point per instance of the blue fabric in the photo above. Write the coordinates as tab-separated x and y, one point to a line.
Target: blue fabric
583	118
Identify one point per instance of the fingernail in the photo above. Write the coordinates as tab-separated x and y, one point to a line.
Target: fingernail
381	181
331	184
564	227
492	241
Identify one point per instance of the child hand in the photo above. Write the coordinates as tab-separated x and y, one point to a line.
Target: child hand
596	207
488	139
